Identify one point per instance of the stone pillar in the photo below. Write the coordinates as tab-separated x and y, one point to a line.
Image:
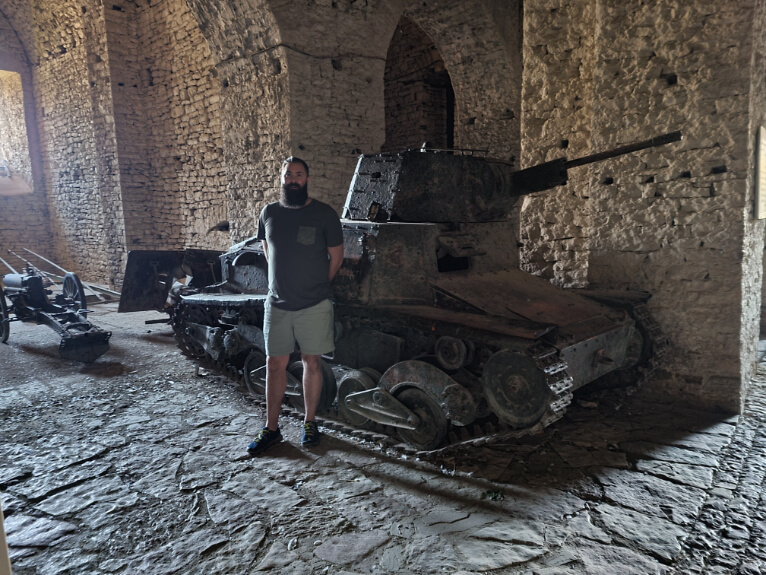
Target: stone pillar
674	221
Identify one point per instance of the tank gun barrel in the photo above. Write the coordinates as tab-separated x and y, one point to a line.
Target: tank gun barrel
668	138
554	173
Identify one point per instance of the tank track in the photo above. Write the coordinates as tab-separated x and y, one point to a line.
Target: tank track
467	437
477	434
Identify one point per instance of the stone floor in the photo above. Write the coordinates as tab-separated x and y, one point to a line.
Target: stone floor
136	464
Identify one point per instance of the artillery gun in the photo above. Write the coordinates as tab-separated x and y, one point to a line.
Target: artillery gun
65	313
436	342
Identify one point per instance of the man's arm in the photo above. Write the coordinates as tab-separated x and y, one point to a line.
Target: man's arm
336	259
265	249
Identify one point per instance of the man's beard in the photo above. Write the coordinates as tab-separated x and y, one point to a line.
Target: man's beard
293	195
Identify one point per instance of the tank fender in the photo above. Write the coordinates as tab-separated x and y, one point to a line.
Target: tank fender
456	401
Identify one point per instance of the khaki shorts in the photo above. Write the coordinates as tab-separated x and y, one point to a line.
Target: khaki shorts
312	328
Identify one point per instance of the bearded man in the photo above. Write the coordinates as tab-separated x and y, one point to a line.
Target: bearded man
303	243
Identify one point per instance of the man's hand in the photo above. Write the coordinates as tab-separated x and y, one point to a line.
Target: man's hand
336	259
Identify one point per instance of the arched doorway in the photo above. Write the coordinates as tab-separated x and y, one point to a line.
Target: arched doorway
419	99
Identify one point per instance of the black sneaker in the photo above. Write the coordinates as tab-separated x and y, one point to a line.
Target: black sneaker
265	439
310	434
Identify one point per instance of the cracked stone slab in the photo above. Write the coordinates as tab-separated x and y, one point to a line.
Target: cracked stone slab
598	559
201	470
655	451
544	504
582	525
225	508
653	495
421	554
709	442
10	503
341	485
70	561
351	547
486	555
277	557
27	531
515	531
691	475
40	486
178	554
10	474
212	414
502	545
448	520
654	534
237	555
264	493
82	496
162	483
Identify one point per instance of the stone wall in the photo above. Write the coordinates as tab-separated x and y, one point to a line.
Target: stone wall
78	147
167	105
557	115
667	221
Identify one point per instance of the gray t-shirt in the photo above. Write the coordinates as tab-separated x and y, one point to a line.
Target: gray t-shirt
299	265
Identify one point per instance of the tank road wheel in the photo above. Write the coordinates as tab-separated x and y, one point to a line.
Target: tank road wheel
352	382
73	290
5	326
189	347
433	427
629	372
329	387
255	377
516	389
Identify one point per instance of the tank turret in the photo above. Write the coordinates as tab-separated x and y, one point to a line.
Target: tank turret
422	186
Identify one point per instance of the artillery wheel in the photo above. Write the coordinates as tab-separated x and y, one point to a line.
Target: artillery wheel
352	382
5	326
255	381
433	427
329	386
73	290
516	388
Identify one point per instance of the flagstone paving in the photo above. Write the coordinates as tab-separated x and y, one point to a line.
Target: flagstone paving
137	464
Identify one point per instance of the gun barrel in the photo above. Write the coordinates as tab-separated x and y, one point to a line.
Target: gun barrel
13	271
650	143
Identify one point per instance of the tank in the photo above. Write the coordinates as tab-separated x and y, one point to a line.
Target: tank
439	342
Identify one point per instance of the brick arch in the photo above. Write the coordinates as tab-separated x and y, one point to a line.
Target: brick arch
16	35
418	93
251	65
484	64
24	219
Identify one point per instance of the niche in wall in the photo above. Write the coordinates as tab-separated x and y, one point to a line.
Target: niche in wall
419	99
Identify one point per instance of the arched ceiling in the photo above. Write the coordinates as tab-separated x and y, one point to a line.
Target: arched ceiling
16	36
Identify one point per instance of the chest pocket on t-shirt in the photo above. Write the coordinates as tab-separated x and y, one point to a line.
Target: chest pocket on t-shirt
307	235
